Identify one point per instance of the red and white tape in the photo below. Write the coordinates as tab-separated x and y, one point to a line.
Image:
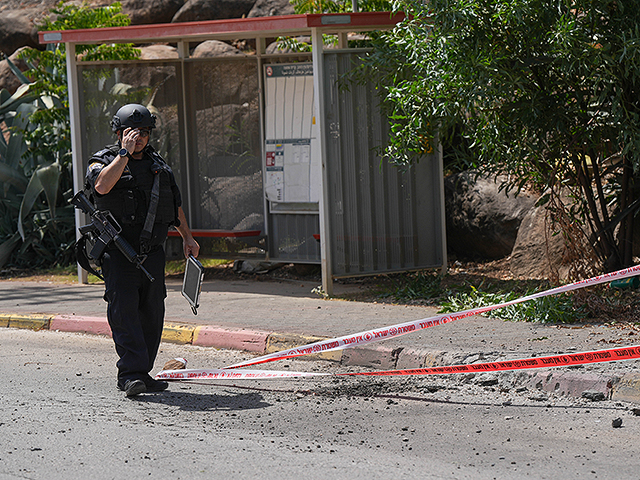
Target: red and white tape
384	333
222	374
370	336
564	360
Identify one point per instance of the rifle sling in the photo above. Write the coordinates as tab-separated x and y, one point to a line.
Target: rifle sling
83	258
147	230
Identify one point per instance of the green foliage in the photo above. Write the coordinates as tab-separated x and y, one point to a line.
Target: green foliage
37	227
329	6
419	286
552	309
320	6
72	17
456	297
341	6
543	91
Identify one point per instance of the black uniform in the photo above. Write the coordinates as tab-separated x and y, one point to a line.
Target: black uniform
136	305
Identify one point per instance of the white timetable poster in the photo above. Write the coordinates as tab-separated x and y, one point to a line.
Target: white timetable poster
291	161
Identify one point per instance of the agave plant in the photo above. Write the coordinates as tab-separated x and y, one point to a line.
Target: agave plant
12	177
27	171
36	220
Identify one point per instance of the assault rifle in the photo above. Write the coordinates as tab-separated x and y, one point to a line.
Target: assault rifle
104	230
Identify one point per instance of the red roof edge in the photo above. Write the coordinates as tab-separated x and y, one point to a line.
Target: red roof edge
240	26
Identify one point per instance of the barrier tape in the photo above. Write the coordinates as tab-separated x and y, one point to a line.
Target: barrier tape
563	360
222	374
385	333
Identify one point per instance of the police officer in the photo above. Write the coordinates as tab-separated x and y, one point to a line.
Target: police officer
133	182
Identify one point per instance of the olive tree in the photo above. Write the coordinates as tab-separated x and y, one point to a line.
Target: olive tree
544	91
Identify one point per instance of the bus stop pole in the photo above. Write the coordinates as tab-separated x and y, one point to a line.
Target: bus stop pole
318	86
76	140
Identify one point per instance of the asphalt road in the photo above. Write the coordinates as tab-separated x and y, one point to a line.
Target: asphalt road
62	418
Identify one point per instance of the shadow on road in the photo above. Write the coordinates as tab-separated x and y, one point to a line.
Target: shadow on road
199	402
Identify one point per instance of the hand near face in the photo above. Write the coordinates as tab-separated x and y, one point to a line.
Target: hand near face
129	137
133	140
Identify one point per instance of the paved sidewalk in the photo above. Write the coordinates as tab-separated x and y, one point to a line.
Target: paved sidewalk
264	315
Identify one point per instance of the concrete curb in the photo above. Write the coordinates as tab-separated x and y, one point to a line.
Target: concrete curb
284	341
180	333
89	325
32	322
571	383
373	356
625	388
234	339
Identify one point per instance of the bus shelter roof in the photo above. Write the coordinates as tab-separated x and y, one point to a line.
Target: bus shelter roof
259	27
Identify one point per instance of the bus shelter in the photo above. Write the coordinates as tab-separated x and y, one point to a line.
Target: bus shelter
277	154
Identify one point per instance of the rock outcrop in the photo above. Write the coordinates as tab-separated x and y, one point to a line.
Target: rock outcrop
200	10
482	220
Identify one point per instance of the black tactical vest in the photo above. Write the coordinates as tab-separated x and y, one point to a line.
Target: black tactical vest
128	201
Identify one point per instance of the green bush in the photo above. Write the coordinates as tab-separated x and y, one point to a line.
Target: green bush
552	309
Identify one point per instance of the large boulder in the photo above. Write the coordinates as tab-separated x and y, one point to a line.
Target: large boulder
231	202
201	10
143	12
162	78
224	129
482	220
225	82
17	30
543	251
19	20
269	8
158	52
215	48
537	252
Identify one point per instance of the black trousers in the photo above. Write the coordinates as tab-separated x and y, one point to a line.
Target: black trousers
135	311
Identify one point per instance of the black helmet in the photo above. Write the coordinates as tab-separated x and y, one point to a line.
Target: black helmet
134	116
